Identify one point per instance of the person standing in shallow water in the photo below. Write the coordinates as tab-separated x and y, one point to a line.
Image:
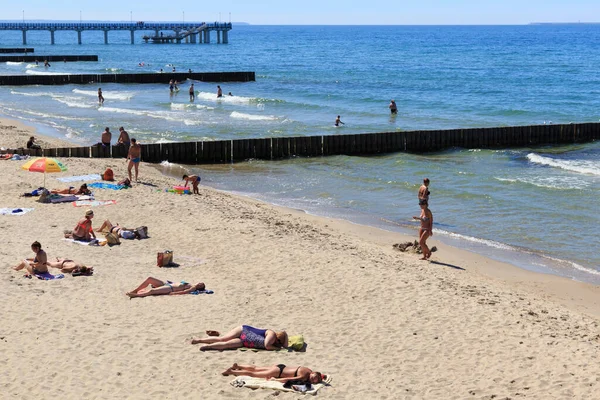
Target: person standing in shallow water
393	107
100	97
338	121
424	192
219	91
192	93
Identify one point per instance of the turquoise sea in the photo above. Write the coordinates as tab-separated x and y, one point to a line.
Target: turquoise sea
534	207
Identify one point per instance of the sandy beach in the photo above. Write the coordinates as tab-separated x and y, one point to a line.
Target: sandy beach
382	323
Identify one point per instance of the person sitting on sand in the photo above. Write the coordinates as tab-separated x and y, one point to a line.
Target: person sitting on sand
67	266
118	230
36	265
156	287
83	189
426	229
244	336
31	143
195	179
279	373
83	230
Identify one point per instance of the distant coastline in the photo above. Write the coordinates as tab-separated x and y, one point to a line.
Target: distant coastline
564	23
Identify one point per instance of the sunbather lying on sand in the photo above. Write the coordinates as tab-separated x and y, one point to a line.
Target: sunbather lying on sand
244	336
36	265
156	287
83	189
279	373
68	266
118	230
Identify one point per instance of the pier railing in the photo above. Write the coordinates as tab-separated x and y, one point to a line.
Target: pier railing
227	151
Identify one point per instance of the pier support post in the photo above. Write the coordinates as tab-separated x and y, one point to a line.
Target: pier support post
207	36
78	37
218	37
225	37
193	38
132	36
106	37
51	37
156	32
24	36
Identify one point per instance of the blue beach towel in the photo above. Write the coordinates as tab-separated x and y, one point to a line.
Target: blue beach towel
91	177
101	185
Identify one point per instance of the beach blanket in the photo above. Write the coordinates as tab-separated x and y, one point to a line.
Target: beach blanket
259	383
14	211
102	185
91	177
295	343
47	276
197	292
91	243
93	203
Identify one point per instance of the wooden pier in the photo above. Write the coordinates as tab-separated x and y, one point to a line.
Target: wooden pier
20	80
41	58
181	30
227	151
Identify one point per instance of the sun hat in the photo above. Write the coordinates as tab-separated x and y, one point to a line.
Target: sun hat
89	212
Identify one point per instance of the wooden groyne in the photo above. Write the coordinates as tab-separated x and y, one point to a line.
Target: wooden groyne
227	151
19	80
41	58
16	50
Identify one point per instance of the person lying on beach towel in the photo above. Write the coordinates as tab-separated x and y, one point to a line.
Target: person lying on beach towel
156	287
296	375
36	265
69	266
244	336
108	227
83	189
83	230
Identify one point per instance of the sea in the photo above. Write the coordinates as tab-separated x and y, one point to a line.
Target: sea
537	208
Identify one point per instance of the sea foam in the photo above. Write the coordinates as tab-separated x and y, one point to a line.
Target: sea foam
579	166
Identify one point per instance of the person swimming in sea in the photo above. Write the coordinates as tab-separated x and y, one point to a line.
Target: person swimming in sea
338	121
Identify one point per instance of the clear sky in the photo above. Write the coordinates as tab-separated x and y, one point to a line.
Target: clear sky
307	12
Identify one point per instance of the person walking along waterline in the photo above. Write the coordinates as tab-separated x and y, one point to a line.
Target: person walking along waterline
426	230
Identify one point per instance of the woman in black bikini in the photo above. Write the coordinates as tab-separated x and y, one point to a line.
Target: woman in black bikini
36	265
279	373
83	189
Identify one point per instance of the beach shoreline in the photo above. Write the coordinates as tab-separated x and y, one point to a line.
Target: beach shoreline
365	309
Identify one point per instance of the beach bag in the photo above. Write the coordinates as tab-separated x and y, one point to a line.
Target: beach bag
108	175
164	258
44	197
112	239
141	232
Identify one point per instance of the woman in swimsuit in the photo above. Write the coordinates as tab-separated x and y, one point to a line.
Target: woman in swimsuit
108	227
36	265
67	266
279	373
83	230
156	287
424	192
426	230
83	189
244	336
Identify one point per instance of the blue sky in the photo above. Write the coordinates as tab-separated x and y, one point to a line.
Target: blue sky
328	12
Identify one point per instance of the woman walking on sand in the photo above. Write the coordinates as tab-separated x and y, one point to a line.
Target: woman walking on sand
426	229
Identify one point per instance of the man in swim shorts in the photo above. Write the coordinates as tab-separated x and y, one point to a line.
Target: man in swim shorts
219	91
192	94
123	138
393	107
134	157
